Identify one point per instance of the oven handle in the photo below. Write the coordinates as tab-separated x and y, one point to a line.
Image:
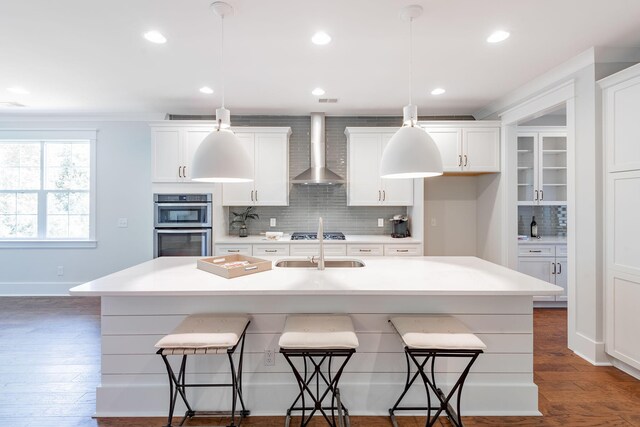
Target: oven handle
183	204
183	230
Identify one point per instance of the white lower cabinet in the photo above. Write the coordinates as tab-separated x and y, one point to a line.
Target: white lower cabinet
365	249
270	250
314	250
233	249
402	250
545	262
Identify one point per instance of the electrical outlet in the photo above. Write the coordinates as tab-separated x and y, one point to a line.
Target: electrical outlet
123	223
269	357
272	222
433	222
60	270
380	222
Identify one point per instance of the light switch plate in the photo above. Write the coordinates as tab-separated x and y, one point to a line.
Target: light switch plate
433	222
272	222
123	223
380	222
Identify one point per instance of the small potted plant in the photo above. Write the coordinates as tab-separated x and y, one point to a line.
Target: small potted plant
240	220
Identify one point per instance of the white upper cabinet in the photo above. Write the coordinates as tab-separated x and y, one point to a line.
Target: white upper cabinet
542	166
173	145
365	187
467	147
269	152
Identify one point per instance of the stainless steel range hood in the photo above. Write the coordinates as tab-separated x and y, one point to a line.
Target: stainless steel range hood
318	174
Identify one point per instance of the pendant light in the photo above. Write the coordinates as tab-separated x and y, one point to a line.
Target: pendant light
411	152
220	157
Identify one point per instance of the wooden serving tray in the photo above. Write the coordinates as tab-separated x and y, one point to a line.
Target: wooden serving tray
216	266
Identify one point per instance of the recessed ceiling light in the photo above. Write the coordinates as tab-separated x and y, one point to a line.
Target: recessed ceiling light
321	38
438	91
18	90
498	36
155	37
206	89
318	91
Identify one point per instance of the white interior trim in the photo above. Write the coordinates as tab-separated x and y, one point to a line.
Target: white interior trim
549	100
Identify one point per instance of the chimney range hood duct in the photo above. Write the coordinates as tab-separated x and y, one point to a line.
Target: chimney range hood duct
318	174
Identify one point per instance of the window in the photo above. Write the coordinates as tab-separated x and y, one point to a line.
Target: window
46	190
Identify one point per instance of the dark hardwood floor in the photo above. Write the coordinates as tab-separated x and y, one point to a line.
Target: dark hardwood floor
50	366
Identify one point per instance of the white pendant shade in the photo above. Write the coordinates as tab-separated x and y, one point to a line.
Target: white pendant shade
411	153
220	157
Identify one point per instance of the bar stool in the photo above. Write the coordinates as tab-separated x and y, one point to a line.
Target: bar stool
205	334
318	339
427	338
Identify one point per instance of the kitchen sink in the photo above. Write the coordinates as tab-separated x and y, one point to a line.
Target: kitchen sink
328	263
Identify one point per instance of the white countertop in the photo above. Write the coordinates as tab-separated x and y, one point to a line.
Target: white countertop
544	240
383	276
286	239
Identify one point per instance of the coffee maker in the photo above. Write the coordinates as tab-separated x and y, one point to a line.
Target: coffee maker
400	226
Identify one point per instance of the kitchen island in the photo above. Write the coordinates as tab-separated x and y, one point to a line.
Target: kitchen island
145	302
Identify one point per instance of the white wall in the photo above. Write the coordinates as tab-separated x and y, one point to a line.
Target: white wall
123	183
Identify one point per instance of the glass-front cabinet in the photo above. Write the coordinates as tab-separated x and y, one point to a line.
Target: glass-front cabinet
542	168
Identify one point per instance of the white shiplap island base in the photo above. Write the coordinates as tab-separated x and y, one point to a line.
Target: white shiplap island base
143	303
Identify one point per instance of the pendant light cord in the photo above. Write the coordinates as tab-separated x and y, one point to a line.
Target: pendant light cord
411	62
222	56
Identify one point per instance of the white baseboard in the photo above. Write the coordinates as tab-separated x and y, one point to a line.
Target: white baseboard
626	368
590	350
36	288
263	400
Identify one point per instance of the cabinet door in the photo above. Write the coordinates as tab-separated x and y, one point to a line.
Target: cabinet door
364	170
561	277
241	193
192	140
449	142
552	170
395	192
527	168
271	170
540	268
481	150
166	148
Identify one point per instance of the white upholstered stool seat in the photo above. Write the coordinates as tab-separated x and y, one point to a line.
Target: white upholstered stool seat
315	331
436	332
204	333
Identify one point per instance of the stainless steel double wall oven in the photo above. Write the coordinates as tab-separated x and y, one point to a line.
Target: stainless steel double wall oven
182	225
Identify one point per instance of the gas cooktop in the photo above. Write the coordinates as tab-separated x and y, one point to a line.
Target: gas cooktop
314	236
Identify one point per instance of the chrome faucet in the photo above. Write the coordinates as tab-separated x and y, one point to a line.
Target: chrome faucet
321	241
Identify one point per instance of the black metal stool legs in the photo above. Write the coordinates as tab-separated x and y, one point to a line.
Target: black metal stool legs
178	386
305	383
431	385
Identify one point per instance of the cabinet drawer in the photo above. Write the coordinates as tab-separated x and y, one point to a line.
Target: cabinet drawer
311	250
561	250
365	250
537	250
233	249
267	250
401	250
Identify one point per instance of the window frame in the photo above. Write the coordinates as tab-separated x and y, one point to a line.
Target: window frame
54	135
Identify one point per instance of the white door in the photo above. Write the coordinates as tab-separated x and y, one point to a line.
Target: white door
449	142
561	277
481	150
166	154
241	193
364	170
192	140
271	170
395	192
540	268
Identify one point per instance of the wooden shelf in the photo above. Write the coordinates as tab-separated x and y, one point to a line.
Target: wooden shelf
554	167
554	151
525	185
553	185
524	167
525	151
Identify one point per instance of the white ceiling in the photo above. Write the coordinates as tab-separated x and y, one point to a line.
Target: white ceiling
88	56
